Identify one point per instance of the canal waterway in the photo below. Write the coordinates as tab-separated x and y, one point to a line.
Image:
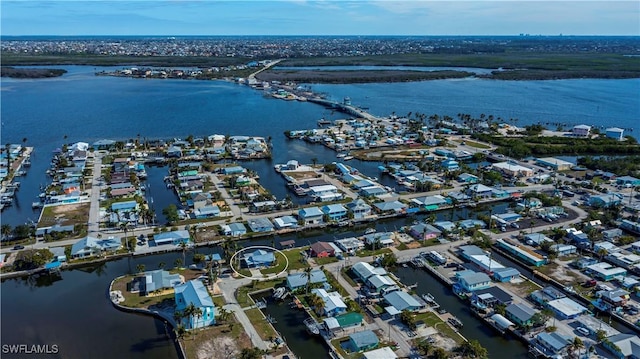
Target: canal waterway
289	323
474	328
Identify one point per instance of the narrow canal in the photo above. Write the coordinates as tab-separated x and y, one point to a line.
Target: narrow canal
289	323
497	345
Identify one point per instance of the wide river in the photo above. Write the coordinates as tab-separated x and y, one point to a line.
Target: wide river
75	313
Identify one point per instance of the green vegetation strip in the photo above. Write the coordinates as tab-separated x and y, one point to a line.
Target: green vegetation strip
432	320
263	327
296	261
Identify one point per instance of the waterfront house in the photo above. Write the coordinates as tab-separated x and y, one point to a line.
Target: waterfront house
173	237
103	145
260	224
349	245
207	212
563	250
566	308
372	191
58	254
333	304
491	296
520	313
343	321
158	280
505	274
300	280
430	203
259	258
623	345
469	280
424	232
546	294
310	215
449	165
235	229
322	249
536	239
611	234
623	259
613	298
402	300
364	340
91	246
479	190
581	130
379	283
285	222
605	271
615	133
554	163
480	258
522	253
630	226
334	212
379	239
392	207
359	208
233	170
262	206
194	292
551	345
364	270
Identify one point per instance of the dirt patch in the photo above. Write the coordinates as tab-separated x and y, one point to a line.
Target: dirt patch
446	343
413	245
220	347
67	214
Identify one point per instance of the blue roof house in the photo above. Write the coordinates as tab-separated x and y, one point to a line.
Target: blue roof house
364	340
359	208
402	300
605	200
259	258
124	206
299	280
449	165
260	224
160	279
173	237
470	280
194	292
91	246
234	229
505	274
311	215
335	212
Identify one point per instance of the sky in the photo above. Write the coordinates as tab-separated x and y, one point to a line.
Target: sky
319	17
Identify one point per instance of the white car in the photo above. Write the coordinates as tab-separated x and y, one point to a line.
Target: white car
582	330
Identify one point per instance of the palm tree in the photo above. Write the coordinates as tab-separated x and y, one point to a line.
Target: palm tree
140	268
307	273
177	316
198	313
189	312
161	265
224	314
6	230
576	345
317	303
183	247
178	262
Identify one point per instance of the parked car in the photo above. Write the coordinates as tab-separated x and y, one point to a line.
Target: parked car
18	247
582	330
590	283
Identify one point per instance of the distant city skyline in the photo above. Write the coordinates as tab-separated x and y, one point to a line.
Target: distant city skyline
322	17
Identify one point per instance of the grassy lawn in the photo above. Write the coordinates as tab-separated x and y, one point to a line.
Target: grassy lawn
431	319
331	279
295	261
263	327
65	215
135	300
194	341
325	260
218	300
346	275
368	252
336	344
243	292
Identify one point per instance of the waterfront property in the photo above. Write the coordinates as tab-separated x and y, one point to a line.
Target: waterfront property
343	321
195	293
349	245
333	304
470	281
173	237
551	344
365	270
378	240
157	280
310	215
522	253
235	229
334	212
300	280
363	340
623	345
285	222
402	300
91	246
520	313
322	249
258	258
359	208
260	225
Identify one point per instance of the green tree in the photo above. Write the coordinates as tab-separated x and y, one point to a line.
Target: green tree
140	268
251	353
6	231
440	353
171	213
473	349
32	259
407	318
178	262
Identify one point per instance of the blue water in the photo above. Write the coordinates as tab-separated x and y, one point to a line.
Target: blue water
80	106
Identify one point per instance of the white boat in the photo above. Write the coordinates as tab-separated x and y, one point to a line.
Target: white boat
341	155
370	230
279	293
312	326
347	158
36	204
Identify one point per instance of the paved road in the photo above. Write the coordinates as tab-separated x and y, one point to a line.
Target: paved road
96	186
